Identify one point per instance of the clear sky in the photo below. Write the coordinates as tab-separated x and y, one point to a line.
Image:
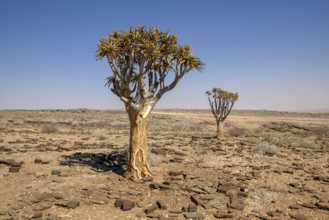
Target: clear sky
274	53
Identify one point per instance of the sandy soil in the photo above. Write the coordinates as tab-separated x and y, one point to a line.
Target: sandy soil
69	164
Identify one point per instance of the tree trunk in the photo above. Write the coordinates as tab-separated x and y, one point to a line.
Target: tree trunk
137	167
220	130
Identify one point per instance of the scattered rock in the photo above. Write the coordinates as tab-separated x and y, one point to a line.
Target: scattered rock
27	215
42	206
127	205
18	206
148	179
56	172
37	161
194	216
52	217
151	209
223	215
225	189
309	205
118	202
273	213
14	169
296	206
192	208
323	205
196	200
153	215
44	196
298	217
11	162
236	203
162	205
176	211
73	204
37	214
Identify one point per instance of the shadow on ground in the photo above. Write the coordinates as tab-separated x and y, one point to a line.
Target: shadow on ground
101	162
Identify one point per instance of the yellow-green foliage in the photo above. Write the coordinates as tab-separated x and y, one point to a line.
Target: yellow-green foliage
217	93
221	102
141	59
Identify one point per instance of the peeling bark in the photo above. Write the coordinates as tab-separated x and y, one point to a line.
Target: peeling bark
138	166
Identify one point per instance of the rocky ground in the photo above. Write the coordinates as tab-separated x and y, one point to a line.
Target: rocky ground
69	165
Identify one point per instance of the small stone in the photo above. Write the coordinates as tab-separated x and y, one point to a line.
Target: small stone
223	215
37	215
298	217
154	186
244	218
226	188
185	209
296	206
56	172
196	200
27	215
153	215
175	173
118	202
236	203
162	205
318	178
175	211
44	197
148	179
97	201
140	215
18	206
194	216
127	205
308	205
42	206
14	169
196	190
323	205
151	209
52	217
192	208
134	193
37	161
243	194
273	213
73	204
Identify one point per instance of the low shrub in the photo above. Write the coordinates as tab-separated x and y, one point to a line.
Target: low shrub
265	148
305	143
320	131
50	128
237	132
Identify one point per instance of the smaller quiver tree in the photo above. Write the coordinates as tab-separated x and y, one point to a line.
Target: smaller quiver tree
221	103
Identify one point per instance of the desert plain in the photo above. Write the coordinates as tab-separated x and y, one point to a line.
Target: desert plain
69	164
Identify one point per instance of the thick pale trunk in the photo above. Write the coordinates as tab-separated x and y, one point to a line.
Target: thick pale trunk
220	130
138	167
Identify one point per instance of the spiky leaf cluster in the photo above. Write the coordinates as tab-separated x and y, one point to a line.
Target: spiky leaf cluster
221	102
141	59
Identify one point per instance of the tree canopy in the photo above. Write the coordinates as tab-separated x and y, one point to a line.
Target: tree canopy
141	60
221	102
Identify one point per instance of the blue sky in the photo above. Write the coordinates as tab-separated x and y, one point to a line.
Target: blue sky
275	54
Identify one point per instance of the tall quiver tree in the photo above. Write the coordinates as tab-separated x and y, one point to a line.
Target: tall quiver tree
142	61
221	103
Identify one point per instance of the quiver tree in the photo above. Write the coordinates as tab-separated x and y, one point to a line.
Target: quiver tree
146	63
221	103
